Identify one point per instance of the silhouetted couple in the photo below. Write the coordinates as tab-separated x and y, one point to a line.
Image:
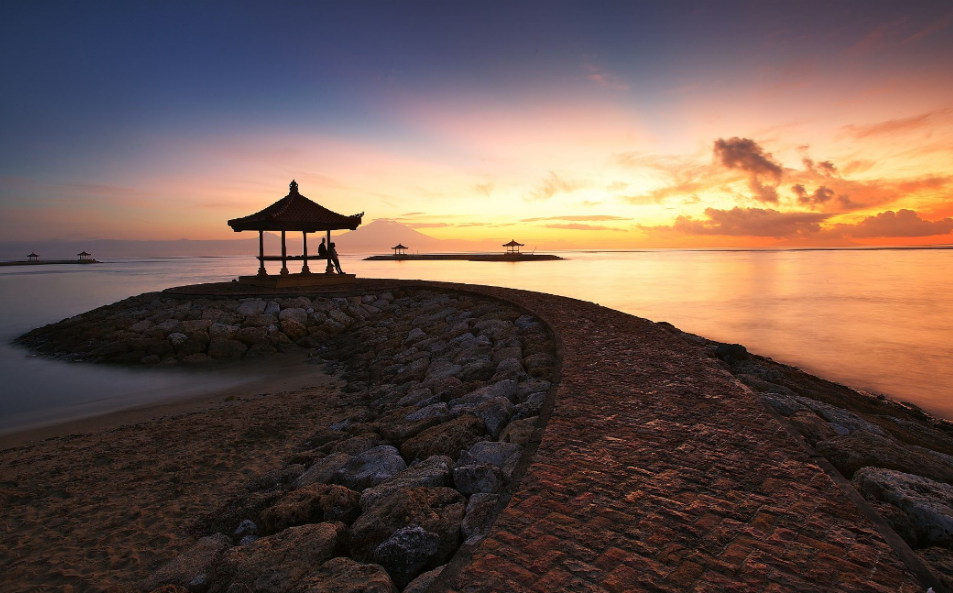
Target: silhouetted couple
329	252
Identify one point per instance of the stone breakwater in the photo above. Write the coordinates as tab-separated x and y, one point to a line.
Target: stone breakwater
444	391
669	463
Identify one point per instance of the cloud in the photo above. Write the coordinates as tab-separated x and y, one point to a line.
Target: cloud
821	195
408	214
894	126
824	168
903	223
574	226
428	225
484	188
746	155
579	218
751	222
605	79
591	203
552	185
930	29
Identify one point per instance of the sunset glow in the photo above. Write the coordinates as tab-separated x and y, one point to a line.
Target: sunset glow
740	125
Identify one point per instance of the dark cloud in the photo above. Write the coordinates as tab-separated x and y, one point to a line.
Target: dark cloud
552	185
744	154
821	195
575	226
579	218
751	222
903	223
824	168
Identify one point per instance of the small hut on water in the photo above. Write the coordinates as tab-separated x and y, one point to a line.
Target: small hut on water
85	257
33	257
296	213
513	248
399	249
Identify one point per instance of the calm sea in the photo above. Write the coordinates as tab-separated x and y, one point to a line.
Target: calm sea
878	320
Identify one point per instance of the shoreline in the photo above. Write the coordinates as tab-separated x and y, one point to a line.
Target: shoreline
466	257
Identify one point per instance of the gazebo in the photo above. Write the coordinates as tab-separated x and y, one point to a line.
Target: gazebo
294	212
399	249
85	257
513	248
33	257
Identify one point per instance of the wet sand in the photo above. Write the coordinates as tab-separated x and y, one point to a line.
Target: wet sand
102	502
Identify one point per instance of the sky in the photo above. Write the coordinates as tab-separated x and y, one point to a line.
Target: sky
560	124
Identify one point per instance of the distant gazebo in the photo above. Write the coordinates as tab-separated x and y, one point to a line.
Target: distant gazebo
85	257
399	249
293	212
33	257
513	248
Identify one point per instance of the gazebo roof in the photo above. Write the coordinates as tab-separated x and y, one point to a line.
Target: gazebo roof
399	246
512	244
295	212
33	254
84	253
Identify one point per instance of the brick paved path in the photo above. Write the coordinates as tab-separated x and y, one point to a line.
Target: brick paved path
658	472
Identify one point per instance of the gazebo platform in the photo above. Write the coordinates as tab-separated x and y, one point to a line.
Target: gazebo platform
296	280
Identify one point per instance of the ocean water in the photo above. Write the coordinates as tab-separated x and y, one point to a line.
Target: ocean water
878	320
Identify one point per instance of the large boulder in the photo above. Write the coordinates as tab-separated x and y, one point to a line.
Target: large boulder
432	472
839	417
343	575
406	553
404	423
370	468
492	452
859	449
475	478
495	413
928	503
447	439
275	564
293	328
436	510
519	431
295	313
191	566
422	583
251	307
479	518
323	470
506	388
313	503
812	427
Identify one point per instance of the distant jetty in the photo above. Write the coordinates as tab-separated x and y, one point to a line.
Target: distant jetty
466	257
49	262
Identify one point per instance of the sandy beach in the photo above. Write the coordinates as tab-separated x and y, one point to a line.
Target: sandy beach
99	503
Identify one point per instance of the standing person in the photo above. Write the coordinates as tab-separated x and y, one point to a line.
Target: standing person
334	257
322	250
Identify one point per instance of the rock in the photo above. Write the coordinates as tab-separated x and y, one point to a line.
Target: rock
141	326
343	575
527	388
478	477
312	504
272	308
839	416
356	444
928	504
246	506
260	320
812	427
415	335
297	314
415	371
731	353
196	325
224	348
520	431
438	410
423	583
759	384
246	527
495	414
275	478
169	325
442	369
437	510
251	307
432	472
785	405
480	516
447	439
177	339
494	453
221	330
478	370
532	406
539	360
323	436
505	388
859	449
370	468
406	553
252	335
340	317
190	565
294	329
323	470
404	423
275	564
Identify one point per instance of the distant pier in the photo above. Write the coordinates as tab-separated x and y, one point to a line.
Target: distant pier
466	257
49	262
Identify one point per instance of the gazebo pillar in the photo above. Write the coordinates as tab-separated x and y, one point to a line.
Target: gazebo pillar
261	254
330	268
284	256
304	254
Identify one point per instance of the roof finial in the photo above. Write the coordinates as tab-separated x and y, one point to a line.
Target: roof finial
294	186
